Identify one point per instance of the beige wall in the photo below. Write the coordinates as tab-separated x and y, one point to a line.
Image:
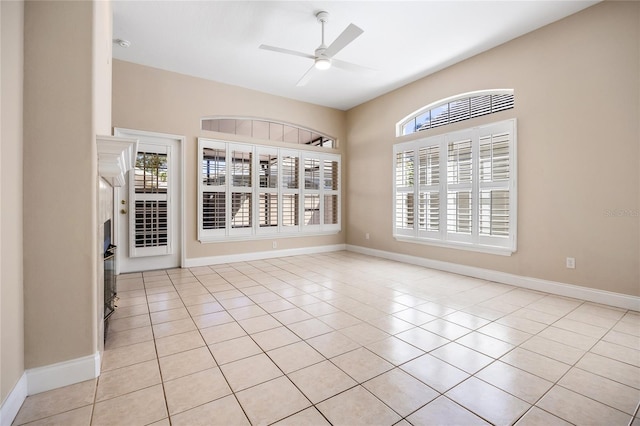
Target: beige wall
577	90
64	107
102	45
11	278
159	101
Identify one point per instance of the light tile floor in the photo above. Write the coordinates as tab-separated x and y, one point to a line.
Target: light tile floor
347	339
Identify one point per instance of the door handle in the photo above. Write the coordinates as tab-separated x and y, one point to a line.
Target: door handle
123	211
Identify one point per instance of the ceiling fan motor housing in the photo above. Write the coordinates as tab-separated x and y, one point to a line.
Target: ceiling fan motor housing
322	16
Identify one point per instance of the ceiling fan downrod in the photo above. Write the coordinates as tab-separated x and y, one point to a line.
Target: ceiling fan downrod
321	61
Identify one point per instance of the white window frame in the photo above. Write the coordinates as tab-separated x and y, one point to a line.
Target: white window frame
255	231
474	241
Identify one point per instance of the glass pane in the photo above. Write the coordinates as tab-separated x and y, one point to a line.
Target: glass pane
150	173
304	137
404	210
268	172
330	209
501	102
210	124
330	176
459	212
480	105
214	167
227	125
240	168
240	210
312	209
244	127
328	143
150	223
290	170
316	139
440	115
409	127
494	213
290	134
261	129
268	209
459	110
290	210
404	169
423	121
276	131
311	173
213	210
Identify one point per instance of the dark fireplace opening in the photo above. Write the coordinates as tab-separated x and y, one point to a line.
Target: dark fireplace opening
110	291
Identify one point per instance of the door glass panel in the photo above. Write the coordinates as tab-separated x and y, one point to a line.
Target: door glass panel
151	173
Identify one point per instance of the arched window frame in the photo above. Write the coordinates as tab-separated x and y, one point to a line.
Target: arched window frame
400	126
267	129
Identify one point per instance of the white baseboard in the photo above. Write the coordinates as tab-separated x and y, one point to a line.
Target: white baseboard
561	289
64	373
259	255
11	405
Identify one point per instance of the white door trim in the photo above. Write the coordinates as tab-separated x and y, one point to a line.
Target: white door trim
137	134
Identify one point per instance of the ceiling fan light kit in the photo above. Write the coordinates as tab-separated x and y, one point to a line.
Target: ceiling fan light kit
323	55
323	63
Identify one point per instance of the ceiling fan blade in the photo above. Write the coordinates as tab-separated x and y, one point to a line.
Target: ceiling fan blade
306	77
349	66
286	51
348	35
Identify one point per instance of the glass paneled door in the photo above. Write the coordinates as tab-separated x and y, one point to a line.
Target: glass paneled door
148	206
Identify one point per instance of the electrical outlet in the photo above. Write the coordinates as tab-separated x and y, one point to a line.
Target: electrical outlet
274	244
571	262
366	236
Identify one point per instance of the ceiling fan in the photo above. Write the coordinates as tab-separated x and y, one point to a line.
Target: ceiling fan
323	57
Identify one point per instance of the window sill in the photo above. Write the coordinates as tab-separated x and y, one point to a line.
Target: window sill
497	250
266	236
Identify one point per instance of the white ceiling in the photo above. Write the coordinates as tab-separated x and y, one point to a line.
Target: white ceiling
403	41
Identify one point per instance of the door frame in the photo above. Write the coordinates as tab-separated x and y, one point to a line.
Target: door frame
180	222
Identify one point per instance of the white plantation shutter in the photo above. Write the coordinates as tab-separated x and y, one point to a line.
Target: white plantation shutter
249	191
290	191
429	189
496	184
268	174
404	212
330	182
460	173
463	193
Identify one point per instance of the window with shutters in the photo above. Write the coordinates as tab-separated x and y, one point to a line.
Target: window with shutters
456	108
252	191
458	189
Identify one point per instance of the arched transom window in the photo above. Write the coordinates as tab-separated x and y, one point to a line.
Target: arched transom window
456	108
268	130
